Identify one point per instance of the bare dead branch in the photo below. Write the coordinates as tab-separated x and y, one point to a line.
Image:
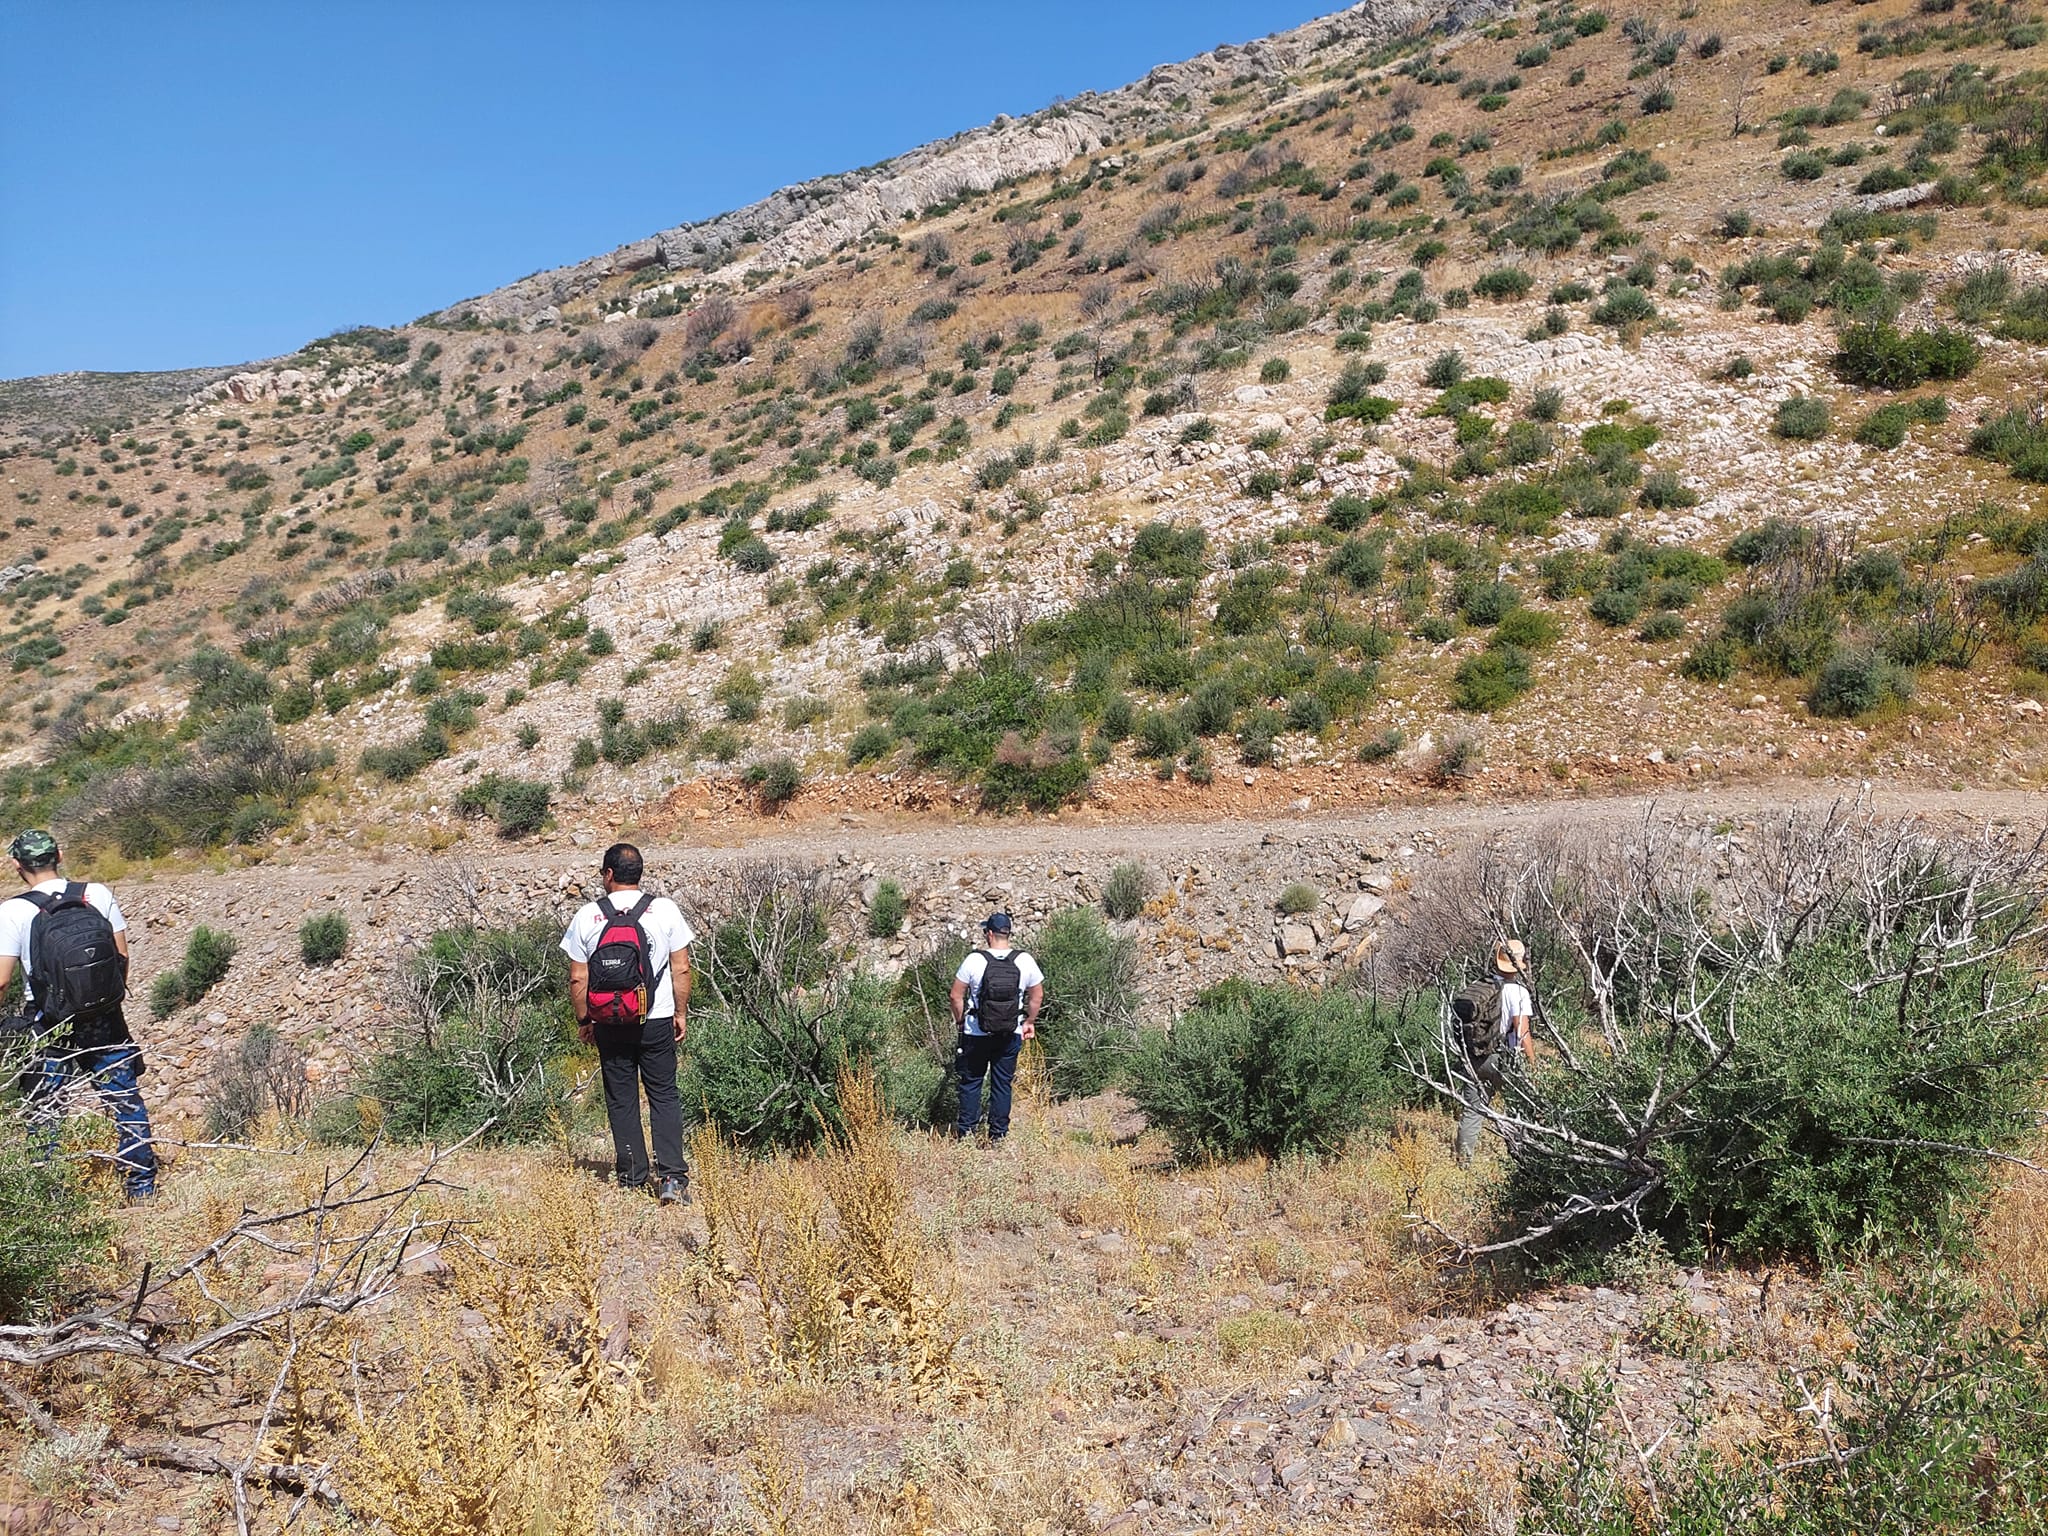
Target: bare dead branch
346	1269
288	1477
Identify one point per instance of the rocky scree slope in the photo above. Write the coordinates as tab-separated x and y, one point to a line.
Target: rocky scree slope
817	218
1453	408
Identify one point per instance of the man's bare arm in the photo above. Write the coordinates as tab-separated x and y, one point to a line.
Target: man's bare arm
959	996
579	998
1032	1002
680	975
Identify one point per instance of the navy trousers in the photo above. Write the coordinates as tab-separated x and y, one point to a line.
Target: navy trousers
993	1057
113	1072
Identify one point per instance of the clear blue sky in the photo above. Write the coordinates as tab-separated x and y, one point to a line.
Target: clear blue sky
188	182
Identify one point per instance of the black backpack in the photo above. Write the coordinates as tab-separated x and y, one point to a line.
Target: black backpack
76	971
1476	1008
999	1001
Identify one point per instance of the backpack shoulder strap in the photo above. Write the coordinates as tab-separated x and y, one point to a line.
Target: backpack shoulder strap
633	915
74	890
42	901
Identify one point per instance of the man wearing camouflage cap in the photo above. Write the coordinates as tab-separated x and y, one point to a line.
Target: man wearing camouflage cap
71	941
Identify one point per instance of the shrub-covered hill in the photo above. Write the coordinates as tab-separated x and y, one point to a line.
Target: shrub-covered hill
1551	392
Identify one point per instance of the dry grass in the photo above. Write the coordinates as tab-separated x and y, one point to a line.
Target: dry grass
507	1402
812	1301
2013	1263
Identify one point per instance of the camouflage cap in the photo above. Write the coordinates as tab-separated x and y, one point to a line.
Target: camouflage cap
33	848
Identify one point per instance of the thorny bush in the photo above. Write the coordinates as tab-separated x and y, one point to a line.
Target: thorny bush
1817	1041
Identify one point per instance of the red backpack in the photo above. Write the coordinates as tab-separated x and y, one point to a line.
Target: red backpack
623	978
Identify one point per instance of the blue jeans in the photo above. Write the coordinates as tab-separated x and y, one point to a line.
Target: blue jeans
113	1071
995	1058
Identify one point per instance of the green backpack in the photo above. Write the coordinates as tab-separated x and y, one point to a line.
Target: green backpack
1476	1008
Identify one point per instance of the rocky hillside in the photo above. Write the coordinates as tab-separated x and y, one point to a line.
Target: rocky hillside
1427	399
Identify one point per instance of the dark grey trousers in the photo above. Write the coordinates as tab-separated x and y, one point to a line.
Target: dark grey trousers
632	1061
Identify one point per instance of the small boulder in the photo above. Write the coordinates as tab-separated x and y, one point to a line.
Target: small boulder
1364	908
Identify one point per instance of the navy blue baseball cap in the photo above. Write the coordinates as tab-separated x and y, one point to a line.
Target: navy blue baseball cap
998	922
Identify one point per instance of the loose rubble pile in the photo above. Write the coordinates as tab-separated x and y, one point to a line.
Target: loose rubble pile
1466	1392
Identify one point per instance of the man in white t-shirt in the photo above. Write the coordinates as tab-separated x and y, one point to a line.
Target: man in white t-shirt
91	1043
1517	1008
632	997
997	993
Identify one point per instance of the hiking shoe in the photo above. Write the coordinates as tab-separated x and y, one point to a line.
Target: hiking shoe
674	1191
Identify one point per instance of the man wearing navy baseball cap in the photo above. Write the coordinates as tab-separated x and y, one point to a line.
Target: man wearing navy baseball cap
996	996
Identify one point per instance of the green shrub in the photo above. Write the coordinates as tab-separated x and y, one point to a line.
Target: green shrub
1773	541
1801	418
1383	746
1530	628
775	781
1503	283
1043	774
1297	899
1271	1070
1877	355
486	1045
1886	426
1803	165
323	938
1352	399
1616	606
207	955
146	796
870	743
1445	369
50	1232
1665	491
1088	1022
1624	304
2017	438
740	691
1493	679
1487	602
779	1024
1856	683
771	1082
885	913
166	994
1126	891
1838	1120
1710	661
1659	627
520	805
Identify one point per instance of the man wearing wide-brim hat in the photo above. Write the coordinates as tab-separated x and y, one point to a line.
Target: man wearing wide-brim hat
1517	1007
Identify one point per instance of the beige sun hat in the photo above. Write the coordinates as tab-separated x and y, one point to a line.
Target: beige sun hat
1511	958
